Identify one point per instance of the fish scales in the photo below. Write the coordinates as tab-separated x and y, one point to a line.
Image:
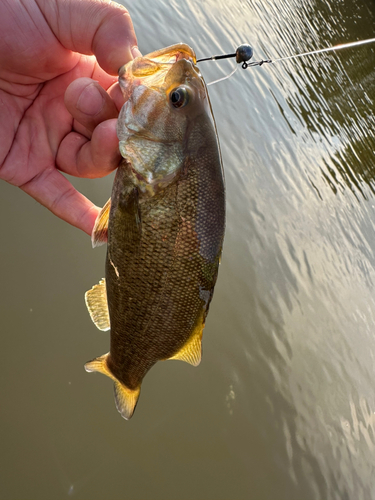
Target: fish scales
164	246
160	296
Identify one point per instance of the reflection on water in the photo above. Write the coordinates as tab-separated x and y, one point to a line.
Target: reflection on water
335	97
283	404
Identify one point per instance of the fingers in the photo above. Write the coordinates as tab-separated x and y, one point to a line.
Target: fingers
103	28
95	113
115	41
120	44
54	191
89	103
81	157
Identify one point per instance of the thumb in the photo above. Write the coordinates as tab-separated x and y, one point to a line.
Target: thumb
100	27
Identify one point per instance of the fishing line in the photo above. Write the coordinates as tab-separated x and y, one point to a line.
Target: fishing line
224	77
244	53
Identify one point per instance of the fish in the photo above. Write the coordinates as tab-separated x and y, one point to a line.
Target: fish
163	225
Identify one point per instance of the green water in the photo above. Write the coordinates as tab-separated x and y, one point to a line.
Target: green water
282	406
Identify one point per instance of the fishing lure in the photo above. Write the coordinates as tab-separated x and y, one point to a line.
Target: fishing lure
245	52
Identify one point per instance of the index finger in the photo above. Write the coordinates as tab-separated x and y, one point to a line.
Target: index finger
55	192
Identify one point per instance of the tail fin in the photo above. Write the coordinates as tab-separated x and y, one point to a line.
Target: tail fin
126	399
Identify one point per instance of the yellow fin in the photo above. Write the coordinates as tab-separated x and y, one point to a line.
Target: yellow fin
100	231
99	365
126	399
96	302
191	352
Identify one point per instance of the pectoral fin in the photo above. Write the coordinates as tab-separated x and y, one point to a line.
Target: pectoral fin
99	234
126	399
191	352
96	302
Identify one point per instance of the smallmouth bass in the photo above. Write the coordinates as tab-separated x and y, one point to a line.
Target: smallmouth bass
164	223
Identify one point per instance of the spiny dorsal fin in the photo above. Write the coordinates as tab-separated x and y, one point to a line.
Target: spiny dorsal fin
126	399
191	352
99	234
96	302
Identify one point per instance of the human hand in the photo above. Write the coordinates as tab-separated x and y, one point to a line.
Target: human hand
45	46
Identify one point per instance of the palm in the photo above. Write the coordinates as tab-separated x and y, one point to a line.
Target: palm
38	133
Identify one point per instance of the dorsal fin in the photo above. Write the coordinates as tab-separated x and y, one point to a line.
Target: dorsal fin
126	399
99	234
96	302
191	352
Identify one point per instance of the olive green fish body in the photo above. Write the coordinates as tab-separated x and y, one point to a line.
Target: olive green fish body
160	280
165	238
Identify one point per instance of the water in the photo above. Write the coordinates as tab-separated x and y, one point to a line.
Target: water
283	405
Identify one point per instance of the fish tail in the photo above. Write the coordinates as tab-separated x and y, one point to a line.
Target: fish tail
126	399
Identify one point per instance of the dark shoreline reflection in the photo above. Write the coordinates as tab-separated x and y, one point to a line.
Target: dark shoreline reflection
336	93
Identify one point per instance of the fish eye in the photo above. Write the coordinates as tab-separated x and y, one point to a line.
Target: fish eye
179	97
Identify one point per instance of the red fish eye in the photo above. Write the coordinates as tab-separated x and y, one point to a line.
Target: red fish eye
179	97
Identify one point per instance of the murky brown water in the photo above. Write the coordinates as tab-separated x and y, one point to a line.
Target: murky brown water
283	405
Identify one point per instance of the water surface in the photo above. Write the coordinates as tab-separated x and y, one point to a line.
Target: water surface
282	406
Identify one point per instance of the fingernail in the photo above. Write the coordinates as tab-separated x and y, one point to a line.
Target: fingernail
136	52
90	101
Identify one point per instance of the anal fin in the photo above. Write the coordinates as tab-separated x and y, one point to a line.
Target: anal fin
99	234
126	399
191	352
97	305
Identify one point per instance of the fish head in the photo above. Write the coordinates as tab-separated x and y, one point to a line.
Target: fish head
165	93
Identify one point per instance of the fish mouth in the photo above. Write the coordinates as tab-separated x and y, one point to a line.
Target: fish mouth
148	66
171	54
152	62
144	66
